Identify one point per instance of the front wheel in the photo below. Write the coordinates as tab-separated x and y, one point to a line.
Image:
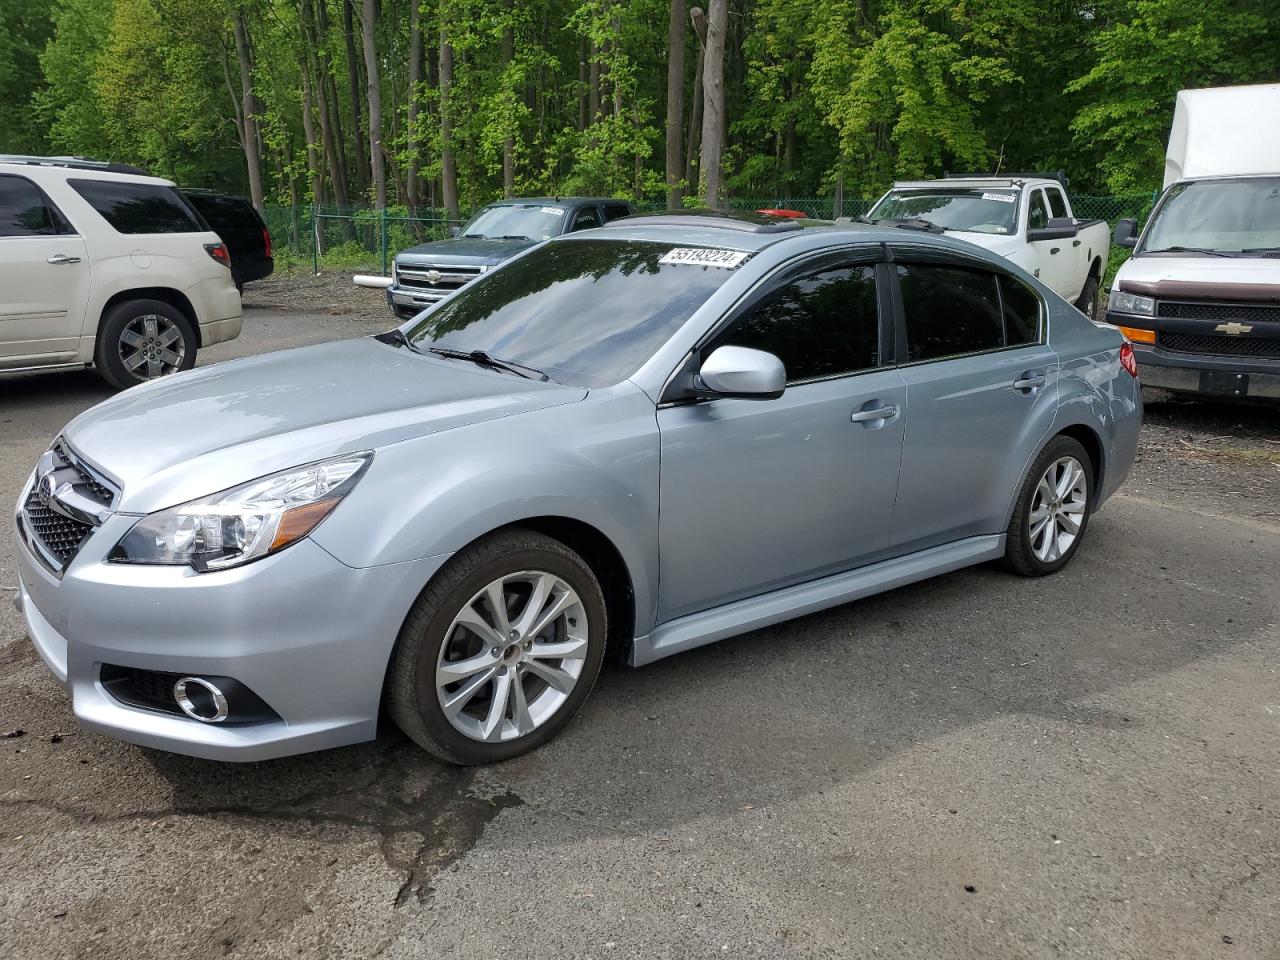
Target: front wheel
142	340
1052	512
500	651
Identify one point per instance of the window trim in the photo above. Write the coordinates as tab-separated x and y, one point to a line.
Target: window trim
61	220
946	258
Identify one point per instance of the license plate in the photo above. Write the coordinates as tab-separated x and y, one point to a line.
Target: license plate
1224	383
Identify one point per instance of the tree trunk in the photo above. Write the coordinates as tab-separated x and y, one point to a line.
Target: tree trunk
368	26
582	84
309	132
353	84
448	160
699	21
249	125
675	104
593	90
412	192
509	144
713	125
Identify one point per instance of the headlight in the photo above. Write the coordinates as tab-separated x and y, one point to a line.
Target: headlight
1122	302
246	522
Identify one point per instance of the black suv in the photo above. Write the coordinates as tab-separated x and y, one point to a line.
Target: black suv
241	229
429	272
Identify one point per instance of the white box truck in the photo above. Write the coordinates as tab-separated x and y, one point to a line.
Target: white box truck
1200	296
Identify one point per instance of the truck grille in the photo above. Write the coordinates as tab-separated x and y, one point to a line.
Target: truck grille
54	533
431	277
1219	312
1207	344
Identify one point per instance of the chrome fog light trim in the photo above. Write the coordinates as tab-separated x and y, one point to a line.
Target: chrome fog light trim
196	711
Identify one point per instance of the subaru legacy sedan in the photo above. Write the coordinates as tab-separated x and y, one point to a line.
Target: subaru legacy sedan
640	438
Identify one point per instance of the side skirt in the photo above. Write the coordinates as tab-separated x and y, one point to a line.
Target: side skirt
741	616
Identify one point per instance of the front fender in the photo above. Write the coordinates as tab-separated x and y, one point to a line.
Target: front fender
595	462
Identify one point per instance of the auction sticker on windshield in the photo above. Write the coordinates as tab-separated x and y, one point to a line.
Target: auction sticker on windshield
1002	197
705	257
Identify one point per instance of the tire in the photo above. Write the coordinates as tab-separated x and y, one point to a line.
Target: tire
173	345
1035	551
1088	302
432	638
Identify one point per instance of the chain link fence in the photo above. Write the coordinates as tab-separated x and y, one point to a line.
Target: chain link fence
365	239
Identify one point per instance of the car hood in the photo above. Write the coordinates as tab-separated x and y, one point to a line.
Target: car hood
1227	278
196	433
463	251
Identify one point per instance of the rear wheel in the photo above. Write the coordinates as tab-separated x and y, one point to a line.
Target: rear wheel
1052	512
500	650
1088	302
142	340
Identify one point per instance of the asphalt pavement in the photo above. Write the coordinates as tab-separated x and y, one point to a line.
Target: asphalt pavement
979	766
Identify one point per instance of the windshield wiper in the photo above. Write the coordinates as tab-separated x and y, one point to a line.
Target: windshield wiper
1263	251
482	359
472	236
1177	248
511	236
909	223
398	336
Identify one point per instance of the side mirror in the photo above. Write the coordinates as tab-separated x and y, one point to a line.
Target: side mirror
1125	233
1059	228
743	373
454	230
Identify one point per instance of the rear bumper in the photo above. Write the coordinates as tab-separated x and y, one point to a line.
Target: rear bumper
247	269
217	331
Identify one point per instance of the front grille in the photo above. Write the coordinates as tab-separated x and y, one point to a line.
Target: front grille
433	277
60	535
1220	312
1206	344
55	534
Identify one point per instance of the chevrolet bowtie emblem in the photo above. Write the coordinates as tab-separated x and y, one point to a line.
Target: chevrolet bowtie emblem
433	276
1233	329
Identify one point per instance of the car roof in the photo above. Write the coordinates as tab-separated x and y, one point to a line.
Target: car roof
82	169
976	181
516	201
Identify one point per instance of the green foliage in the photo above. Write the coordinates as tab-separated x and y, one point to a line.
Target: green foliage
24	30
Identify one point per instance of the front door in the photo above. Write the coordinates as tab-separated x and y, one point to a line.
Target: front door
44	279
761	494
981	395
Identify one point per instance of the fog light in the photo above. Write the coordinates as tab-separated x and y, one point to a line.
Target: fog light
200	700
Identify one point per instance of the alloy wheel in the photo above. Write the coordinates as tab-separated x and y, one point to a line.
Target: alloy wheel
151	346
511	656
1058	509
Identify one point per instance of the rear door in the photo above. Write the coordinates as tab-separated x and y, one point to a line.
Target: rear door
981	395
44	278
761	494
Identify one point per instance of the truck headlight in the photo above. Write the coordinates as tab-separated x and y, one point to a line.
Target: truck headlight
1122	302
246	522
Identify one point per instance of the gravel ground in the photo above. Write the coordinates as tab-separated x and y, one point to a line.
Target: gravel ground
979	766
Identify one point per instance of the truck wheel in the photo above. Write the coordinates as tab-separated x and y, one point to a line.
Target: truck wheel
1088	302
141	340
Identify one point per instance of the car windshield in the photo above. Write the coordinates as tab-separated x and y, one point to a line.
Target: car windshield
976	210
527	221
584	312
1229	216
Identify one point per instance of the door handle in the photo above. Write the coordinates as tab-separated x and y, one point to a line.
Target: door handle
60	258
871	414
1053	250
1029	382
1075	243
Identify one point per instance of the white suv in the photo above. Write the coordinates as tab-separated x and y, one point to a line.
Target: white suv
102	265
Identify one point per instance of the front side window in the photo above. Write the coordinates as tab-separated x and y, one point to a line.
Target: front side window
23	212
949	311
822	325
516	221
1037	213
140	207
967	209
1239	217
585	312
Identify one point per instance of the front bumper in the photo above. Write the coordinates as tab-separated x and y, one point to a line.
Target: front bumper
309	635
406	302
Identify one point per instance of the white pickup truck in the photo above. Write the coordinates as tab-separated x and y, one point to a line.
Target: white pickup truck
1025	218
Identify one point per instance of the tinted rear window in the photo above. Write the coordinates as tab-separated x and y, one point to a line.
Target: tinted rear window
140	207
23	212
222	211
585	312
949	311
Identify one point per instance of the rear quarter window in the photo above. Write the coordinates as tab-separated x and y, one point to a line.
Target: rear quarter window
140	207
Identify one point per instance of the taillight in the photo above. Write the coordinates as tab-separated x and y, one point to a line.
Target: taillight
1128	360
219	252
266	241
